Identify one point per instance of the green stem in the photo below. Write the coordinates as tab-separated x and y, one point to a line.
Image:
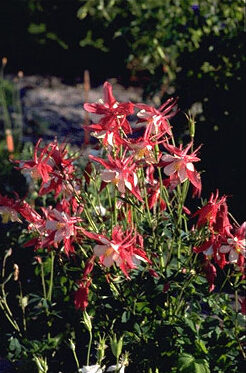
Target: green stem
180	301
115	207
9	317
89	349
88	215
164	193
43	281
74	354
3	102
18	119
117	364
3	300
22	308
52	257
146	199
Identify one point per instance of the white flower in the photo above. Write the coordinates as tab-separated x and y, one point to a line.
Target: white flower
112	368
91	369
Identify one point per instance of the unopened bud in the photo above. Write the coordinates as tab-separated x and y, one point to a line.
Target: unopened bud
101	348
16	272
38	259
192	128
8	253
4	61
72	345
191	122
87	321
20	74
9	140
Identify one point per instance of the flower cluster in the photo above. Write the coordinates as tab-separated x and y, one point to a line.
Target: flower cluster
146	171
225	244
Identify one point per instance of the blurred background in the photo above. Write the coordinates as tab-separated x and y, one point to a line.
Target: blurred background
191	49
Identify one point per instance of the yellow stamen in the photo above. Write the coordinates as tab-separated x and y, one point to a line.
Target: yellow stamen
115	181
60	225
109	251
6	217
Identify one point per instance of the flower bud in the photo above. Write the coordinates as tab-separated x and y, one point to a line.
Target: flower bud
116	346
101	349
20	74
87	321
72	345
191	123
16	272
4	61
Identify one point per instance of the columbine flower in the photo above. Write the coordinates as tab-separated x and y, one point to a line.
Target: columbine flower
9	210
157	119
41	165
210	248
242	302
143	149
180	166
53	166
236	245
121	249
114	117
208	213
81	295
210	272
121	172
61	224
60	227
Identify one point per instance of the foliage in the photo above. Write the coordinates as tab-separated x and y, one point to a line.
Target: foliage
106	265
159	32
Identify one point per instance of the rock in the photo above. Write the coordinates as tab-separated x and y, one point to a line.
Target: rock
53	109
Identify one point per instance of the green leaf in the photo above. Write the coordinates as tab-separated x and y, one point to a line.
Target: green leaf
52	36
125	316
191	325
201	346
36	28
188	364
185	361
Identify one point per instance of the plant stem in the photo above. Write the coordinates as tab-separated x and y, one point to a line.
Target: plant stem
89	349
3	102
23	308
146	199
115	207
87	213
75	355
43	281
52	257
8	316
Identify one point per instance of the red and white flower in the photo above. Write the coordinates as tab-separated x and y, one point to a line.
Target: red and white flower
53	166
125	249
235	245
180	165
121	172
9	209
60	227
114	117
157	119
209	212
